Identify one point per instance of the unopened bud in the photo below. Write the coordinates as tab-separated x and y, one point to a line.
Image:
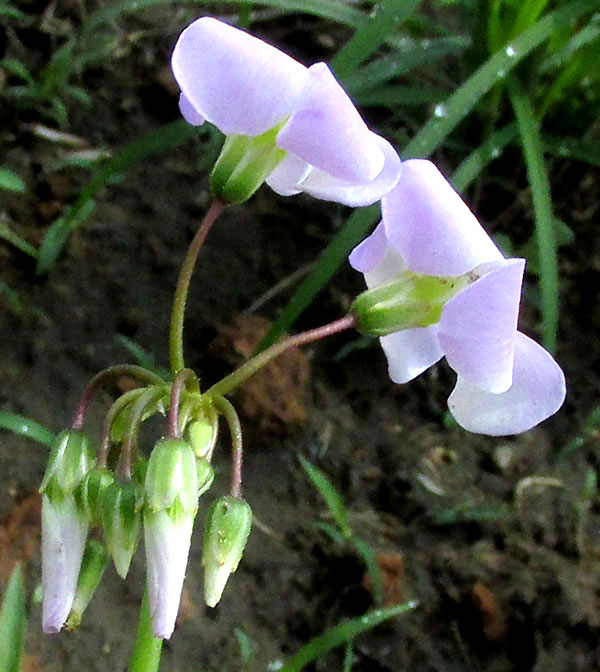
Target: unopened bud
122	522
91	490
172	476
94	564
202	436
227	529
71	458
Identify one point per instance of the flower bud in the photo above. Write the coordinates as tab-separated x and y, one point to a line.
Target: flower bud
227	528
202	436
244	164
94	563
411	300
71	458
90	493
171	503
122	522
206	475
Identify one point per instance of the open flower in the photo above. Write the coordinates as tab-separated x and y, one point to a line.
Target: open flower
249	88
506	383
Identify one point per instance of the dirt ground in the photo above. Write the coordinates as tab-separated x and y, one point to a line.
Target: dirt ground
497	539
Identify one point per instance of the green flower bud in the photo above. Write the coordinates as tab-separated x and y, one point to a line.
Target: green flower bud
172	477
70	460
227	529
202	436
94	563
122	522
244	164
90	493
412	300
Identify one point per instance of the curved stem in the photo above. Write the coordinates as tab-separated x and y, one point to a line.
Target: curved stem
99	379
117	406
183	284
226	408
239	376
177	388
137	411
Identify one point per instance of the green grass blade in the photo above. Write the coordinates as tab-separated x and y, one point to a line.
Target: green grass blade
370	560
343	633
573	148
13	623
542	206
372	34
357	227
464	99
11	181
398	95
7	234
165	138
332	497
468	171
18	424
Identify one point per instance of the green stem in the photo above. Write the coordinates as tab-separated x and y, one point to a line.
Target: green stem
117	406
177	388
183	285
146	651
228	411
239	376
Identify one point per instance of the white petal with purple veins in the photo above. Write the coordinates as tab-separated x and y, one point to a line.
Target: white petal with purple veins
537	392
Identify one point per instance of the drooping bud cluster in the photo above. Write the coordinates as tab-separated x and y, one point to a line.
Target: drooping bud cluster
159	495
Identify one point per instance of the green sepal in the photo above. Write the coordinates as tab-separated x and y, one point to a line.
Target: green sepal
122	505
226	532
172	476
90	493
71	458
202	436
94	564
206	475
244	164
411	300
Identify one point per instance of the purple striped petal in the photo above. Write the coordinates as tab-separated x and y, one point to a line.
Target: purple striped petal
537	392
431	226
478	327
239	83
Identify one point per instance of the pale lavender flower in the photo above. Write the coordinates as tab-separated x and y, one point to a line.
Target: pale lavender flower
506	382
247	87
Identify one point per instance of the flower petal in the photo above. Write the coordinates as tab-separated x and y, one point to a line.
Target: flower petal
431	226
411	352
239	83
167	542
189	112
286	178
537	392
369	253
327	131
64	531
323	185
478	327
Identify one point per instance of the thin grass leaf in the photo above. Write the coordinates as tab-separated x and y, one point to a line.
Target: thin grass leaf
7	234
13	13
573	148
402	61
372	34
332	497
13	297
13	623
18	69
468	171
464	99
339	12
342	634
467	514
143	357
542	206
587	431
370	560
398	95
19	424
529	13
165	138
11	181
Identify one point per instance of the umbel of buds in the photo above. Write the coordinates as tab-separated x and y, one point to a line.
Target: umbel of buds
65	524
227	528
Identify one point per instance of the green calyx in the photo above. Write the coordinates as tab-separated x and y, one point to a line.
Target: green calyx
122	522
410	301
172	478
94	564
244	164
71	459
